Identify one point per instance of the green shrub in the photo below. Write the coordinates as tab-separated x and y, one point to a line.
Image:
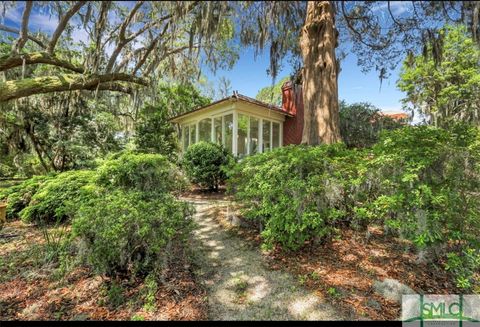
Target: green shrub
298	192
53	200
204	164
426	183
420	182
141	172
121	232
18	196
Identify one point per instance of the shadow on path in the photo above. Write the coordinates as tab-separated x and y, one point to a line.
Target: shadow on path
240	286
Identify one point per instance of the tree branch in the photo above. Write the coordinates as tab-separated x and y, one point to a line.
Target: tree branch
359	36
22	38
9	62
393	18
150	49
63	24
65	82
125	40
122	41
15	31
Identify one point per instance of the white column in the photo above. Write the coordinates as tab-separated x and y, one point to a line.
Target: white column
197	133
235	133
260	135
223	130
182	138
212	132
248	136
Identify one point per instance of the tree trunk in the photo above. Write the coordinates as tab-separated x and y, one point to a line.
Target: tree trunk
320	80
36	146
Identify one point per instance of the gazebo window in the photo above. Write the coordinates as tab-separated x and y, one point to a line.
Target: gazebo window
205	130
217	123
242	135
228	127
192	134
266	135
253	135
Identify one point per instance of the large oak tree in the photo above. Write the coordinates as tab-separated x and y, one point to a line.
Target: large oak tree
122	47
316	33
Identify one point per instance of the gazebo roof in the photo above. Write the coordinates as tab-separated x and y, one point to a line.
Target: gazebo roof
235	97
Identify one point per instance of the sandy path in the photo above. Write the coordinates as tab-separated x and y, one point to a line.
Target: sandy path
240	286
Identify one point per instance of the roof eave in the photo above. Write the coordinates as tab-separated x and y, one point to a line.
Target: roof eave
233	98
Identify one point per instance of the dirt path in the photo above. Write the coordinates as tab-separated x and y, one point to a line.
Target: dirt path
240	286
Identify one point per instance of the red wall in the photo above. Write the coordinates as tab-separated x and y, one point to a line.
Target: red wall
292	102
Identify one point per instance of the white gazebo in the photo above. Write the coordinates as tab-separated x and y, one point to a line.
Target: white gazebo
242	124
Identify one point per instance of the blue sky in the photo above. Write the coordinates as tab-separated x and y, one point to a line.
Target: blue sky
249	75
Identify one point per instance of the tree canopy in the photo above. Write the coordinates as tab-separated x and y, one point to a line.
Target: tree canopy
272	94
448	90
123	45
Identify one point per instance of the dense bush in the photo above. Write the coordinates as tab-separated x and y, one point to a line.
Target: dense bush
204	164
18	196
53	200
420	182
121	232
361	124
297	192
142	172
426	184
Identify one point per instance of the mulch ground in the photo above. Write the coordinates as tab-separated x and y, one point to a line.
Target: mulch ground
29	289
345	269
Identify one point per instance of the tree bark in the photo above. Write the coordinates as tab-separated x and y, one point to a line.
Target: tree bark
64	82
320	75
8	62
62	24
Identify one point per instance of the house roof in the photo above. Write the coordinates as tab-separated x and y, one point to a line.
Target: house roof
235	97
397	116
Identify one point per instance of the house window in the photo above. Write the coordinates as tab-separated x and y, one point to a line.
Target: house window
253	135
242	135
275	135
205	130
217	123
266	135
228	127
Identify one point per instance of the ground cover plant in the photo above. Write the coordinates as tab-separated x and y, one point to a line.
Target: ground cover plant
18	196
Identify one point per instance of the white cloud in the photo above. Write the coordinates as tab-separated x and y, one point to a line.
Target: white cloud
37	20
43	22
80	35
397	7
14	14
